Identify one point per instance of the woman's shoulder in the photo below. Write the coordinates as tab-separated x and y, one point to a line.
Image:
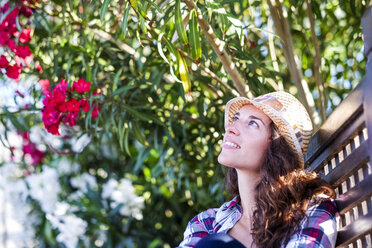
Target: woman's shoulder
322	205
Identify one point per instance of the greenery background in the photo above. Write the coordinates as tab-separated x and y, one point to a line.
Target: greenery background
155	127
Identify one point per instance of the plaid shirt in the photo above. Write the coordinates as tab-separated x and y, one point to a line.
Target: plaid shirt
320	231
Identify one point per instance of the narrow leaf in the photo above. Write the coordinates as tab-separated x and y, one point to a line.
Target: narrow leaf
184	73
179	24
194	36
160	48
104	9
124	23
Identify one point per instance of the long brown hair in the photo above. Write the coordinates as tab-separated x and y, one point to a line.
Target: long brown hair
281	195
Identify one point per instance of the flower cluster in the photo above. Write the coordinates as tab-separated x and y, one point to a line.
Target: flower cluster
17	55
63	104
31	151
122	194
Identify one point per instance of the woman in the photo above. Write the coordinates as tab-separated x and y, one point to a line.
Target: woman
277	203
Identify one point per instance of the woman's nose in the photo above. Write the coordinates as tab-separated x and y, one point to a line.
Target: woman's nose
232	129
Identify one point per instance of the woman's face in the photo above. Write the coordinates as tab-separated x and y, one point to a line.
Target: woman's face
246	139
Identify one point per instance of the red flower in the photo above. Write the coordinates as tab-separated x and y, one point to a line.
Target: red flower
71	118
13	71
38	67
4	37
25	35
53	129
84	104
51	119
73	105
81	85
61	86
3	62
23	51
27	12
12	45
95	112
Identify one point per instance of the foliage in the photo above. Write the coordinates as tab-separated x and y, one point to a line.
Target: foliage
163	89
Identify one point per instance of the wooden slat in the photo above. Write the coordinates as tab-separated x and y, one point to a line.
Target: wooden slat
354	196
339	141
348	166
367	87
344	114
355	230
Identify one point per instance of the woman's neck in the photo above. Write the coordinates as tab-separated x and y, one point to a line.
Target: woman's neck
247	182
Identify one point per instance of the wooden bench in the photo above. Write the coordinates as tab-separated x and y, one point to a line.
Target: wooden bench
341	151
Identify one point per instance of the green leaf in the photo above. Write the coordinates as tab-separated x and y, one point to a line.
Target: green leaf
126	142
139	135
160	48
142	116
171	49
116	79
122	90
179	24
104	9
155	6
184	73
124	23
194	36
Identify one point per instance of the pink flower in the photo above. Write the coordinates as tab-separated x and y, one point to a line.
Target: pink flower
25	35
20	94
3	62
73	105
45	85
84	104
81	85
36	155
13	71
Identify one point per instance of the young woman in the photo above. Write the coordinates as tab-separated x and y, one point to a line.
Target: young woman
277	203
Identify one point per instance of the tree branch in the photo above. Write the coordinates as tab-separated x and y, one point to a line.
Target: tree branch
218	48
317	62
281	27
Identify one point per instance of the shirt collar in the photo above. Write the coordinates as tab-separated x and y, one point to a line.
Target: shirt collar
229	213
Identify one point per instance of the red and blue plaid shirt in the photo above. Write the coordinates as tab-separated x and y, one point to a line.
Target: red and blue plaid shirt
320	230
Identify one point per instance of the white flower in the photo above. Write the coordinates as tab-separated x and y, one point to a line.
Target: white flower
79	144
65	167
71	228
44	188
123	193
83	182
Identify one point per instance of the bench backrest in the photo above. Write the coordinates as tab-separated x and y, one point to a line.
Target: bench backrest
341	151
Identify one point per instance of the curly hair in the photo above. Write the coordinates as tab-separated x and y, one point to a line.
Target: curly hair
282	195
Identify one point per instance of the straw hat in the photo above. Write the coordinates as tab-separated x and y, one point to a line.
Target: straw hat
288	114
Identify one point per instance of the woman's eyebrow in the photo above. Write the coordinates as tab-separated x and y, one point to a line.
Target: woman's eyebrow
256	118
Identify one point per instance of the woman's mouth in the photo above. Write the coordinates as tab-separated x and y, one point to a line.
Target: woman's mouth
229	144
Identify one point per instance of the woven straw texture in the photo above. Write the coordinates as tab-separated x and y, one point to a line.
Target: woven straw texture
288	114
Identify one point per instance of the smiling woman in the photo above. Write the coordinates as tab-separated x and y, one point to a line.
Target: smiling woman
277	203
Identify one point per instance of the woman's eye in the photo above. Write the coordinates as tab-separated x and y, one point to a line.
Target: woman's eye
235	118
253	123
